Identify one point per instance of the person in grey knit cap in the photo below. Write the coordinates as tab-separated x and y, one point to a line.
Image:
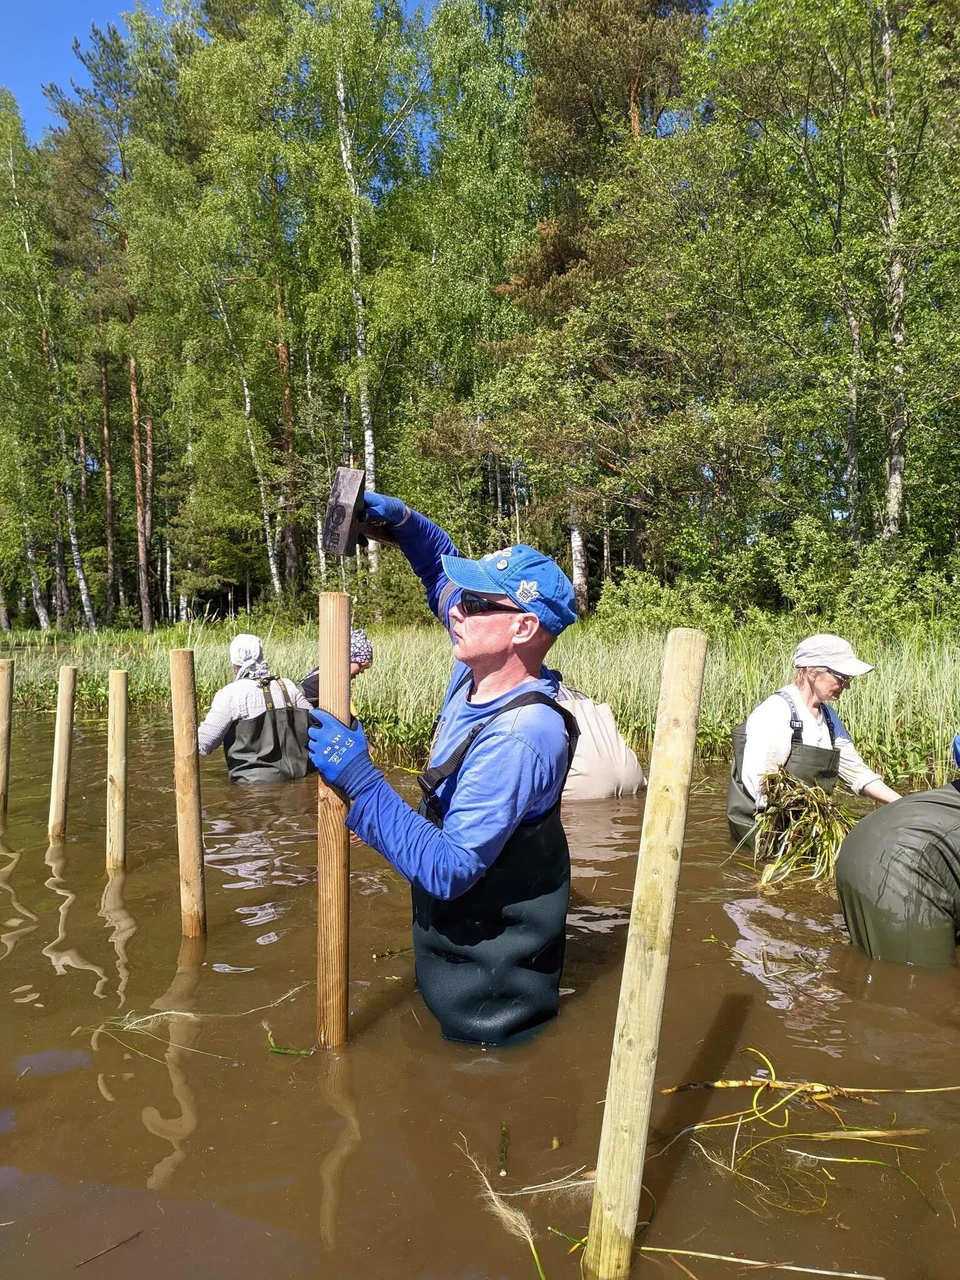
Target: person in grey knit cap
361	657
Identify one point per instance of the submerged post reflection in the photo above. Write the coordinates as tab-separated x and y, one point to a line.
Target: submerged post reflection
122	925
183	1030
61	956
336	1085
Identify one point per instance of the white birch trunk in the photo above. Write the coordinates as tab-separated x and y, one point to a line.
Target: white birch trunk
53	368
896	294
251	445
39	608
318	510
607	568
578	554
346	141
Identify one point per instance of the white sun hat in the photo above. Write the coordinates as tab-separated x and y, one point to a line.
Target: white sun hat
830	651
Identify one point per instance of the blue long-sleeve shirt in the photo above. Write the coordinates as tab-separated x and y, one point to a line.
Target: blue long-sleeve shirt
513	773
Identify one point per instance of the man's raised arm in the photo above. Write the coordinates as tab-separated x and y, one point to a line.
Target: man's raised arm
421	541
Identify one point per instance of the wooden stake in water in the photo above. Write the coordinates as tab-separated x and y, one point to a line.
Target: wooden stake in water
6	715
186	777
633	1063
333	848
117	772
62	748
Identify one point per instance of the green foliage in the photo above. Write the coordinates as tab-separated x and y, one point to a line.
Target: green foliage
683	291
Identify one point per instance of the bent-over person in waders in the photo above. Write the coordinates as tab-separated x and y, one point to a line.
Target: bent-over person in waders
796	728
898	879
260	719
486	854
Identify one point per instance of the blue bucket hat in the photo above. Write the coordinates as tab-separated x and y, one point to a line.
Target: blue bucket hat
533	581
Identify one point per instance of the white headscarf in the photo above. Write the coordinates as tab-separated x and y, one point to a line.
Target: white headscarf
246	653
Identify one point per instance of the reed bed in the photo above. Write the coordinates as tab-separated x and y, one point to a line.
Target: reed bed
902	716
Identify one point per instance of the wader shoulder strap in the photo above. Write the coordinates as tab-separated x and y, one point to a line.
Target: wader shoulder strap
796	724
265	684
431	778
827	714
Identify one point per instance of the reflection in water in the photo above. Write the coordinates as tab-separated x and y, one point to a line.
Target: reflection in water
335	1081
260	845
61	956
183	1031
15	925
123	926
794	972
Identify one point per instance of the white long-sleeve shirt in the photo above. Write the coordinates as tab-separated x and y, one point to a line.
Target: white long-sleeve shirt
769	739
242	700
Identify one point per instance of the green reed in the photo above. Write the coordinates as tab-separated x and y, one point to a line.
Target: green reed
902	716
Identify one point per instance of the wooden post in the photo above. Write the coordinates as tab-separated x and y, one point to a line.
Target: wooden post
117	772
633	1063
186	778
6	713
62	747
333	848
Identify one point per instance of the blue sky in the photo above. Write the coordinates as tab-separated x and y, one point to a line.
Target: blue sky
35	48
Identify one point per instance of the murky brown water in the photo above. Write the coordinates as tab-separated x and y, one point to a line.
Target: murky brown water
230	1161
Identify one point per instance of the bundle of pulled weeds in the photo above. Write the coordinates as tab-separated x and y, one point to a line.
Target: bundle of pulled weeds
800	832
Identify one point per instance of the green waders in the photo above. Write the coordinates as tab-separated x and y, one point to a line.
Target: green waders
270	747
898	879
809	764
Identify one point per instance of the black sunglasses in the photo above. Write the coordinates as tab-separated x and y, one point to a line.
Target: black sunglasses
470	603
844	680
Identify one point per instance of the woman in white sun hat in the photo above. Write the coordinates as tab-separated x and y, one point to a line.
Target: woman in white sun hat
796	728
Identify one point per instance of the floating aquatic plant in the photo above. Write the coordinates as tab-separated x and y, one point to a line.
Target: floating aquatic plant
800	832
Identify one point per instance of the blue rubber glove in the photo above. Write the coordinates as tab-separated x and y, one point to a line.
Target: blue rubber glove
956	751
378	509
340	754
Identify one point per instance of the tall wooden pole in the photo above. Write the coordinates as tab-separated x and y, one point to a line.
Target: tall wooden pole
117	772
62	748
186	777
333	848
6	714
633	1063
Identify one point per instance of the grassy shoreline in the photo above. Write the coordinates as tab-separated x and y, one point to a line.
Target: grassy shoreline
902	716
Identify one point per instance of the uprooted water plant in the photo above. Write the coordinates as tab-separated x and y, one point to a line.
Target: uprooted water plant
799	833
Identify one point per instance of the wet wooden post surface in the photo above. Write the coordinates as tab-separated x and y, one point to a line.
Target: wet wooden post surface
6	715
62	748
633	1063
333	848
186	777
117	772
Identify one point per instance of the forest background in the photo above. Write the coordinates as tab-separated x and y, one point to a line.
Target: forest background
673	296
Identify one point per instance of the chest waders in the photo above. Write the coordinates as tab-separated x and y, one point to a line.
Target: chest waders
270	747
489	962
898	879
809	764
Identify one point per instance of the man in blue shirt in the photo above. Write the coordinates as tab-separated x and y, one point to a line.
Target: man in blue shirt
486	855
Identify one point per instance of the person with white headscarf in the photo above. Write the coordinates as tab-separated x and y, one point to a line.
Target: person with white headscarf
261	720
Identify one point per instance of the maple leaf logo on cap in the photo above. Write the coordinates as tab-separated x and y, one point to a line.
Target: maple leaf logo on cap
527	591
